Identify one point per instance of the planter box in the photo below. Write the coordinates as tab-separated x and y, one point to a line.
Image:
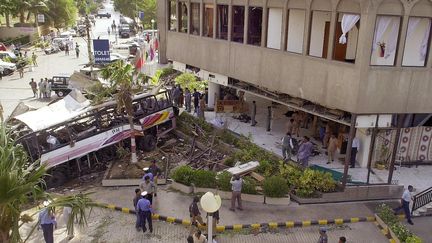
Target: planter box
252	198
181	187
278	201
386	228
227	195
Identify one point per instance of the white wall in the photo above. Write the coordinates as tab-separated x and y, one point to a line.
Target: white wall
375	58
411	55
274	30
296	24
317	32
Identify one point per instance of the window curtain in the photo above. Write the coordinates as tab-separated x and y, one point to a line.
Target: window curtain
425	41
348	22
392	39
412	25
381	26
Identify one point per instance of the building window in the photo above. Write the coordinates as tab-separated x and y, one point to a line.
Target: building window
195	19
296	25
222	22
254	26
319	34
274	28
238	13
417	42
183	17
346	36
172	18
385	40
208	20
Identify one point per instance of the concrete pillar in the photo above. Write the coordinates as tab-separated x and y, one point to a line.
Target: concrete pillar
213	93
162	24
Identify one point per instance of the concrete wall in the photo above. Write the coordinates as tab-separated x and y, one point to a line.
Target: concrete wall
14	32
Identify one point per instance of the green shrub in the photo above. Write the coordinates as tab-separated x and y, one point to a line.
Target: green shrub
249	186
386	213
413	239
183	174
204	178
275	186
223	181
401	231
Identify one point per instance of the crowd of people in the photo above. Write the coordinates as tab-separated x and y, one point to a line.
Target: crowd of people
44	86
186	97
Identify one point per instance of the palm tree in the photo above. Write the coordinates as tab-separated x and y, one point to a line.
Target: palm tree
35	7
21	183
121	76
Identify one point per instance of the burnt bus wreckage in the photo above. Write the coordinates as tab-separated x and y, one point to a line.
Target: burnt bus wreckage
71	137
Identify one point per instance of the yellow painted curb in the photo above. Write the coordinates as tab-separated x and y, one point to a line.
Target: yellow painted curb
111	206
289	224
170	219
273	225
186	222
220	228
155	216
125	210
255	226
354	220
322	222
370	219
237	227
306	223
338	221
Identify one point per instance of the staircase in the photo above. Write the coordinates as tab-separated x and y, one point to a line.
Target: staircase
422	203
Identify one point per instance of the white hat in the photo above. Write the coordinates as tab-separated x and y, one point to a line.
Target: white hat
146	168
46	203
143	193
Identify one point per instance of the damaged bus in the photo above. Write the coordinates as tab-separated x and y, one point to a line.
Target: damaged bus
72	137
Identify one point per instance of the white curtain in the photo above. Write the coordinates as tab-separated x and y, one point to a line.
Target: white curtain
348	22
412	25
380	28
425	41
392	39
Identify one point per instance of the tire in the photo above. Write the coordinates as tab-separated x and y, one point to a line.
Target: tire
7	71
55	179
60	93
148	143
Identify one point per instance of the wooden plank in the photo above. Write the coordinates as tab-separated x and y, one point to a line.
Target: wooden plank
257	176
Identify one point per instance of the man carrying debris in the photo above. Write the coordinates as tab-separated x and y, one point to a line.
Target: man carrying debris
194	212
236	183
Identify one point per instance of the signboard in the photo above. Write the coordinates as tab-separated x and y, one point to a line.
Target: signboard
230	106
101	51
368	121
141	15
41	18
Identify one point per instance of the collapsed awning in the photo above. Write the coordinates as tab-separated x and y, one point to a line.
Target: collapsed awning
61	111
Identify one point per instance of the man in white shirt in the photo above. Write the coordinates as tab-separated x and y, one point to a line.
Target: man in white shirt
354	149
236	183
405	202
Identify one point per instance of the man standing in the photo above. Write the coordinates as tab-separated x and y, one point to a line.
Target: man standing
47	222
354	149
188	100
287	146
196	95
45	84
48	88
236	186
289	125
202	107
147	173
41	89
34	59
149	187
156	172
33	86
305	151
135	203
21	72
145	211
77	51
269	118
253	114
323	235
331	149
405	202
176	95
194	212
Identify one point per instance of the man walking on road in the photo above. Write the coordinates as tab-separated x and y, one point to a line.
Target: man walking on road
21	72
236	183
194	212
33	86
47	88
34	59
77	51
41	86
253	114
305	151
145	211
405	202
47	222
323	235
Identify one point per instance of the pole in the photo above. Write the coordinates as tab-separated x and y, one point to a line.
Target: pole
210	227
349	147
400	119
89	52
372	148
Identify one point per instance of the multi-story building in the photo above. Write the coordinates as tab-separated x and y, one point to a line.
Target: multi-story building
362	57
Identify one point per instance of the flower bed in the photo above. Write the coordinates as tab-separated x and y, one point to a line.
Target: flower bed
389	221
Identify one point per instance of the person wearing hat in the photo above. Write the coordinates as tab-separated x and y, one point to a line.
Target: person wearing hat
47	221
145	211
148	186
148	173
194	212
156	172
323	235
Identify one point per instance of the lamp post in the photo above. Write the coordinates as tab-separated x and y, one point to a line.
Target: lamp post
210	203
152	23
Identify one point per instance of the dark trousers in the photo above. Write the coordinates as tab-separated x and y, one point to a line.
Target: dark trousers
48	232
353	156
138	220
405	207
150	198
146	216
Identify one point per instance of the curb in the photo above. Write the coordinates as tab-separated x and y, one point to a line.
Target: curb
385	232
237	227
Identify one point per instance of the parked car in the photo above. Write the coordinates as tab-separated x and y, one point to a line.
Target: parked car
103	15
7	67
52	49
124	31
116	56
60	85
60	42
72	32
7	55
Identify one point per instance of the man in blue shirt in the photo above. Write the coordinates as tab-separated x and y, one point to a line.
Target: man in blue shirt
47	222
148	173
145	210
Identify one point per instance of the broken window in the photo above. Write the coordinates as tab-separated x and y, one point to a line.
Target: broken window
222	22
195	18
417	42
296	24
319	34
346	36
385	40
172	18
274	28
238	15
254	26
183	17
208	20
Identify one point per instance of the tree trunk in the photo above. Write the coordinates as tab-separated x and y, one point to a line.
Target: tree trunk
21	16
133	142
7	16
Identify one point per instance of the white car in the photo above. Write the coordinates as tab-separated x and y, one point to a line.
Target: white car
117	56
7	68
7	54
72	32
